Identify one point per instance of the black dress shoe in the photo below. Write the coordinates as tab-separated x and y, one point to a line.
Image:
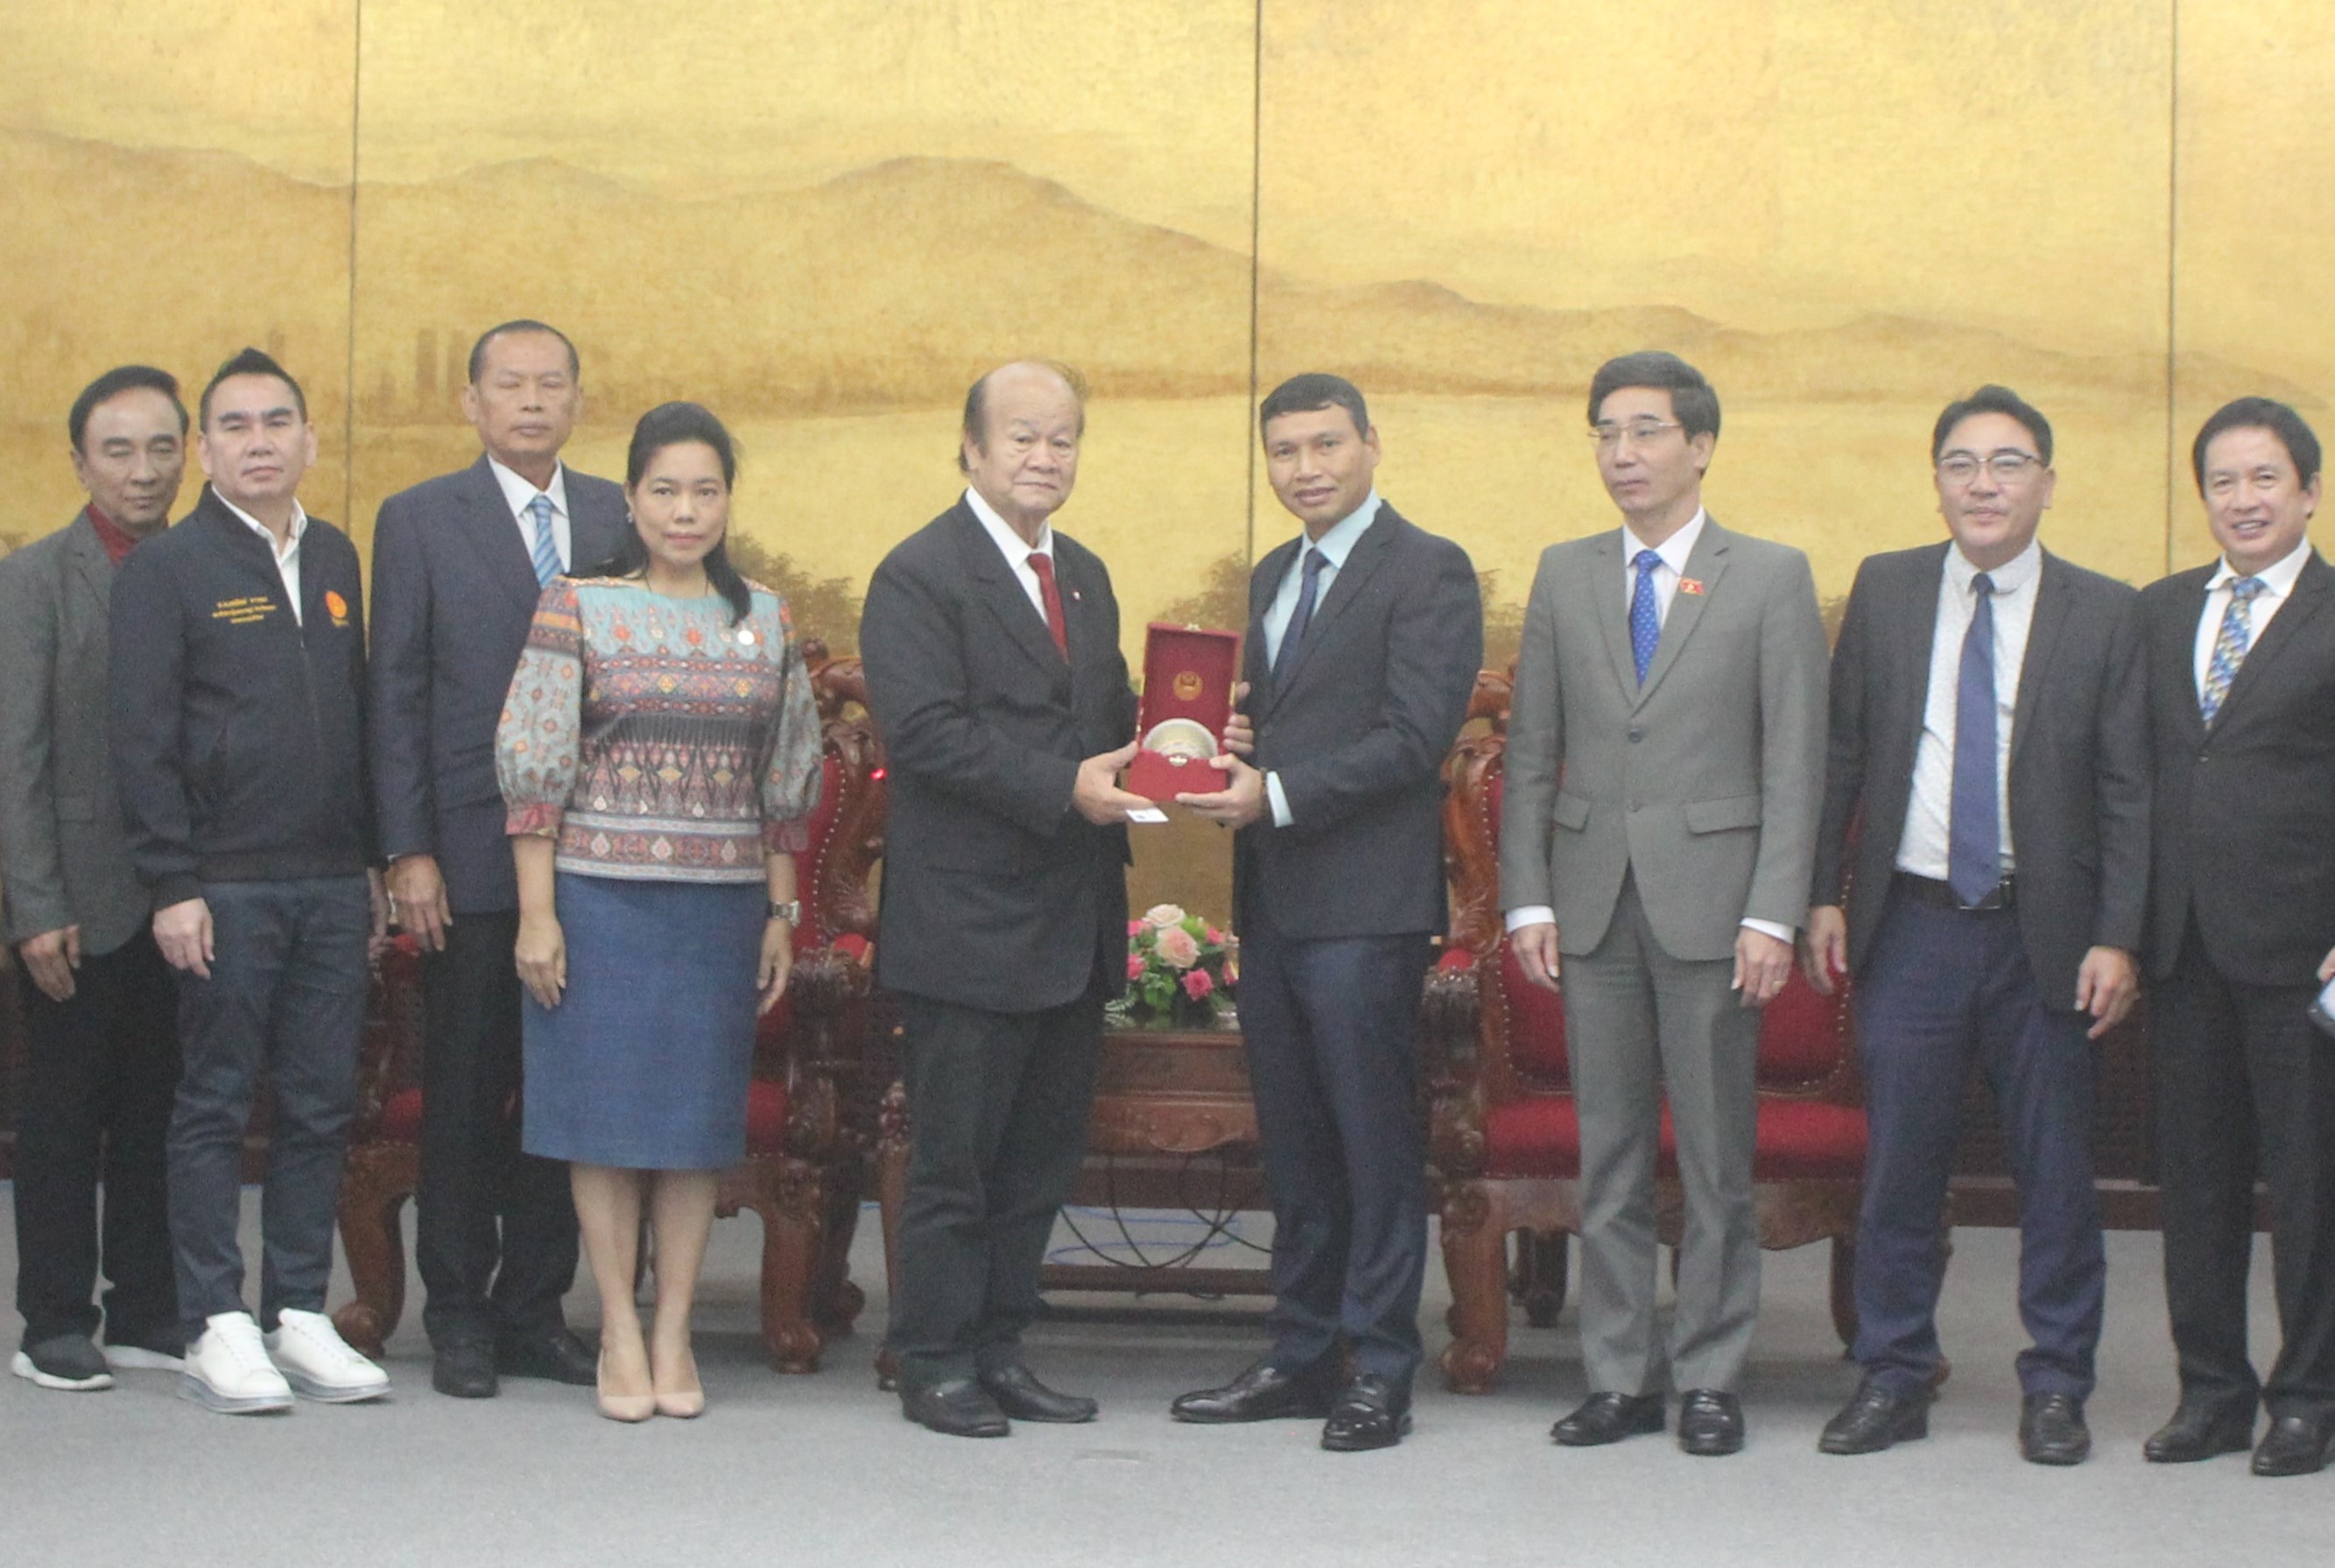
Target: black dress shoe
554	1353
1019	1393
2051	1429
464	1370
1262	1393
1876	1416
1608	1419
1710	1423
2295	1446
1371	1412
959	1407
2200	1432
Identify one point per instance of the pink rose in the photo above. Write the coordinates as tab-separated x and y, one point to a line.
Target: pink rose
1197	985
1163	916
1134	966
1177	946
1135	928
1216	937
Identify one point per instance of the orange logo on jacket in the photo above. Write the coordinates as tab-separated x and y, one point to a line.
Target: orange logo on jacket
337	607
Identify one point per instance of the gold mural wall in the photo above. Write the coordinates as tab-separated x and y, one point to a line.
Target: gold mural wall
822	219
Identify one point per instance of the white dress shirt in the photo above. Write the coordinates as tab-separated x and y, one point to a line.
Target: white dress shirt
287	559
2278	587
1923	848
1017	553
1334	547
1674	552
518	493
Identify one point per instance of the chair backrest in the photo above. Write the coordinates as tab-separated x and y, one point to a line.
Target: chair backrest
835	873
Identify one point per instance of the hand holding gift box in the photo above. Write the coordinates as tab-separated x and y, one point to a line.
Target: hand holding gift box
1187	703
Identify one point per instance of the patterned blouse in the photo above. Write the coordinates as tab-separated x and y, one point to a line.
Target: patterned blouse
653	740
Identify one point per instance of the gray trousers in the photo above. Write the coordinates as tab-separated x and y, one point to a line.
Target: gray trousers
1637	1022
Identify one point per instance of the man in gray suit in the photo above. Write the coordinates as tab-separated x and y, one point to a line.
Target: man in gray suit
1989	732
1665	763
101	1014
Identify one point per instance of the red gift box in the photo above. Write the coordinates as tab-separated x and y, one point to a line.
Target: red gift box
1188	699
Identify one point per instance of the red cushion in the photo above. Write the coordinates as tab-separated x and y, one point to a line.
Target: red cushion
766	1116
809	930
1803	1036
1797	1140
400	1117
1536	1024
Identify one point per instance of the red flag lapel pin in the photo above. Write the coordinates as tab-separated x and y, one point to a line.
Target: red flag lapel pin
1690	586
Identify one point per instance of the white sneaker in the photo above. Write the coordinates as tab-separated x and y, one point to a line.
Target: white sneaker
318	1363
227	1369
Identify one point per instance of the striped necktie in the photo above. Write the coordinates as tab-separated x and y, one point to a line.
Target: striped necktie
546	544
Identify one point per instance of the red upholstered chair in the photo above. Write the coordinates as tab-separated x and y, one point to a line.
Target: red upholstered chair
1506	1136
806	1148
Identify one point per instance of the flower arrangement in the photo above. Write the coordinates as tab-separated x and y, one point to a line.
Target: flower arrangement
1181	971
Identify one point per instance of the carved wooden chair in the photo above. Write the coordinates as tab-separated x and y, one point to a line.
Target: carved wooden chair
1505	1137
807	1131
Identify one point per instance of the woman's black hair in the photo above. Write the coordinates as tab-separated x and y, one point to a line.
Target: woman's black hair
672	425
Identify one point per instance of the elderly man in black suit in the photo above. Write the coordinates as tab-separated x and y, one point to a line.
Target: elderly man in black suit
992	649
2242	705
1988	730
1363	641
100	1014
458	563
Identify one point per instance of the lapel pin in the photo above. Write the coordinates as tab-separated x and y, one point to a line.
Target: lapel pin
1074	597
1690	586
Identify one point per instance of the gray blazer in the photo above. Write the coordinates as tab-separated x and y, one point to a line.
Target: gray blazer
1706	783
2079	762
63	858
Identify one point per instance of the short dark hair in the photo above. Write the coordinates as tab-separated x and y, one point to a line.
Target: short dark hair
976	425
479	349
671	425
2263	414
1693	402
121	379
1991	399
1311	393
251	362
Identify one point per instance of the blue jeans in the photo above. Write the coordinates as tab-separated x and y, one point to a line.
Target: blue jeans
286	995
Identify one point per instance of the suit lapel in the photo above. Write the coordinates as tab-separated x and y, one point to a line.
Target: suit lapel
2179	630
997	586
92	569
2042	635
1704	567
1363	564
495	537
1612	614
1915	618
2309	596
1262	584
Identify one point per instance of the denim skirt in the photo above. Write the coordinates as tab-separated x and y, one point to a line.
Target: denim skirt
643	1064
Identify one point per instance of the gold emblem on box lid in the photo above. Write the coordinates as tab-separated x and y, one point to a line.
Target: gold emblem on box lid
1188	685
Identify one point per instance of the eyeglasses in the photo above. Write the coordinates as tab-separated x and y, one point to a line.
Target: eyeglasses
1637	432
2007	467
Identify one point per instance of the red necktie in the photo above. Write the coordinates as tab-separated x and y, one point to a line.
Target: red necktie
1044	565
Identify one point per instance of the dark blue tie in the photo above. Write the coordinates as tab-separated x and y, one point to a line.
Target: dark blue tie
1299	618
1645	611
1975	834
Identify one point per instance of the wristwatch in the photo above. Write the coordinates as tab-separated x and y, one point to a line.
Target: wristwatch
790	911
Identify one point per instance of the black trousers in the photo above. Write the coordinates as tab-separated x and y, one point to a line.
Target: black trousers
1331	1029
495	1228
2245	1086
102	1071
997	1108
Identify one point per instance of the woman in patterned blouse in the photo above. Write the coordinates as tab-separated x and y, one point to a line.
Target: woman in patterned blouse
660	757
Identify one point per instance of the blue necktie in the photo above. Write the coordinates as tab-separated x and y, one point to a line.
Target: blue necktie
2230	645
1299	618
547	546
1645	611
1974	830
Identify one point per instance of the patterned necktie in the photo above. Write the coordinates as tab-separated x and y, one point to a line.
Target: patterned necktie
2229	645
1645	611
1285	656
1044	565
1974	823
547	545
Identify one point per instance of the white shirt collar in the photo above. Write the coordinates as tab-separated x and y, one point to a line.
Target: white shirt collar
1673	550
2010	577
292	540
1009	543
1339	542
2279	578
517	491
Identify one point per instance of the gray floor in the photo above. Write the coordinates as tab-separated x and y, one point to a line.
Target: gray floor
822	1469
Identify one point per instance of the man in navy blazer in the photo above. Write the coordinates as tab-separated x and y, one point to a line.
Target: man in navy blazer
995	670
458	563
1363	641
